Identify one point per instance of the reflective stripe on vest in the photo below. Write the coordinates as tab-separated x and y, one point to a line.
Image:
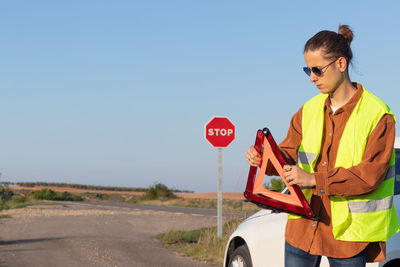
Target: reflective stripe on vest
371	205
391	172
366	218
305	158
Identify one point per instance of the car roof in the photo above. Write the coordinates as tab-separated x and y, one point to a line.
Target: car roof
397	142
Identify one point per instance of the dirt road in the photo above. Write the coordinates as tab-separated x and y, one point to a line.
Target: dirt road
82	234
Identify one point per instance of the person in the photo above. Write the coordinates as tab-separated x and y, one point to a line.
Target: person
339	150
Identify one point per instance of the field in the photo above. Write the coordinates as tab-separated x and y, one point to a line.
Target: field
232	201
225	195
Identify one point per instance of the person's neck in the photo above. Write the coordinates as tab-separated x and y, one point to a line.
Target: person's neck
342	94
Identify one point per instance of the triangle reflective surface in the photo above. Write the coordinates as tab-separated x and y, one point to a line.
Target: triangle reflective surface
293	200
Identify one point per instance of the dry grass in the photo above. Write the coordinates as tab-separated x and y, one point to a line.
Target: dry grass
231	201
227	204
211	195
202	244
73	190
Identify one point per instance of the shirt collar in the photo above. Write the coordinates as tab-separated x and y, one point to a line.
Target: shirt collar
350	105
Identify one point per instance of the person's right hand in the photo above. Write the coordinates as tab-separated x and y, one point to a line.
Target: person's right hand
253	157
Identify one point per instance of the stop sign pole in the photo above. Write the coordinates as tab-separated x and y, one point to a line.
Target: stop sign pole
219	132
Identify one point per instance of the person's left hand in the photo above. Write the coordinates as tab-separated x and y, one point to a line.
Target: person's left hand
295	175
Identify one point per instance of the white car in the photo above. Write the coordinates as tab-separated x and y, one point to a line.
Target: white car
259	240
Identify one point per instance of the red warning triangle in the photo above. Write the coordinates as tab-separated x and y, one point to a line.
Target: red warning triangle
294	202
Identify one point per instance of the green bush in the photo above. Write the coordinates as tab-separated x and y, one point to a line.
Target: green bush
20	198
5	193
65	196
158	191
48	194
10	200
44	194
275	184
3	205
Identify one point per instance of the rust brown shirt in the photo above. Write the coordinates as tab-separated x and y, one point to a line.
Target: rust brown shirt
316	237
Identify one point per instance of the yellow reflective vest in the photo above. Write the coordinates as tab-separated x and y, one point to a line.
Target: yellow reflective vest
367	218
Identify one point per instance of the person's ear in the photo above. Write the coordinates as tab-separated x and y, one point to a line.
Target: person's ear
342	64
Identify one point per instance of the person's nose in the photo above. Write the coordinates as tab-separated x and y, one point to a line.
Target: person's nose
313	77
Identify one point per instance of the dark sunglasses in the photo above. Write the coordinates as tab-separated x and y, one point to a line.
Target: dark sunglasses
317	71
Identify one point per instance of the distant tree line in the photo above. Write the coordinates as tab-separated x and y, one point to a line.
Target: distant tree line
87	187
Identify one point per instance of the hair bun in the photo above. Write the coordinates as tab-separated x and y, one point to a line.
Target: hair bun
346	32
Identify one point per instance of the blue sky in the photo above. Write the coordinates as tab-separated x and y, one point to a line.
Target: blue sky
117	92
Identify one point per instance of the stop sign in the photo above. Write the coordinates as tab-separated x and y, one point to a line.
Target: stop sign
219	132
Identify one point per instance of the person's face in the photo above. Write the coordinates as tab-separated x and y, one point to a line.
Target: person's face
331	71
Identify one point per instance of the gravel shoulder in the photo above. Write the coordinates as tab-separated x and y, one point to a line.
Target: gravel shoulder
85	234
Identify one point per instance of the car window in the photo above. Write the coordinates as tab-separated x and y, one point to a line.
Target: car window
397	178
